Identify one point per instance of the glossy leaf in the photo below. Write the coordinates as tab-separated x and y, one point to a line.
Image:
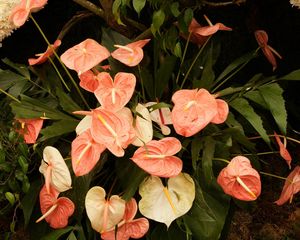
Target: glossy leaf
138	5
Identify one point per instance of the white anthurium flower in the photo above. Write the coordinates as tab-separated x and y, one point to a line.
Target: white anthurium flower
55	170
165	204
143	126
103	214
162	117
84	124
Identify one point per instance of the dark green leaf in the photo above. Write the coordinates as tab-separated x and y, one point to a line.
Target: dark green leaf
138	5
196	147
158	106
160	232
177	50
242	106
72	236
9	79
66	102
207	157
273	96
29	200
188	16
34	108
164	74
295	75
58	128
20	68
148	82
256	97
56	234
157	20
175	9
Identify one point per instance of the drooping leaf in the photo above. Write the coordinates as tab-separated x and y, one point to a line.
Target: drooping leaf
242	106
72	236
56	234
175	9
157	20
58	128
29	200
272	94
9	79
66	102
138	5
161	232
188	16
235	64
20	68
207	157
34	108
207	215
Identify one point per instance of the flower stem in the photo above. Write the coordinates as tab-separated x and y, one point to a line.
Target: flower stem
142	83
221	160
9	95
272	135
183	56
194	61
272	175
260	153
58	73
62	64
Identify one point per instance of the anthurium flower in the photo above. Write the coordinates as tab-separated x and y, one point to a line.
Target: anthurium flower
84	56
103	214
114	95
291	187
84	124
240	180
223	110
166	203
199	34
112	130
43	57
262	39
162	117
142	126
30	129
128	227
55	170
88	81
21	12
193	110
56	211
156	157
131	54
284	153
85	153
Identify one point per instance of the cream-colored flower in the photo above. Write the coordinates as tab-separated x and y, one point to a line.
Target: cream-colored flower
6	27
295	3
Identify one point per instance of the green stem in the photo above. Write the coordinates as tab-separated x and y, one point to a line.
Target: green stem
221	160
272	175
261	153
183	56
58	73
62	64
142	83
273	135
194	61
9	95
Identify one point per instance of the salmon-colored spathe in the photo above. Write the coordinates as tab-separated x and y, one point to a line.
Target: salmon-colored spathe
30	129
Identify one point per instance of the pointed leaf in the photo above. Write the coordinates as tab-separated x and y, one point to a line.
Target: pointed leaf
58	128
56	234
295	75
138	5
273	96
207	156
66	102
242	106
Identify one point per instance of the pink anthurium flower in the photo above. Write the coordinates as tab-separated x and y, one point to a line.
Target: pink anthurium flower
84	56
85	153
162	117
291	187
223	110
89	81
142	126
156	157
166	202
114	95
55	170
284	153
113	130
84	125
21	12
131	54
262	39
30	129
240	180
43	57
193	110
56	211
103	214
128	227
199	34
